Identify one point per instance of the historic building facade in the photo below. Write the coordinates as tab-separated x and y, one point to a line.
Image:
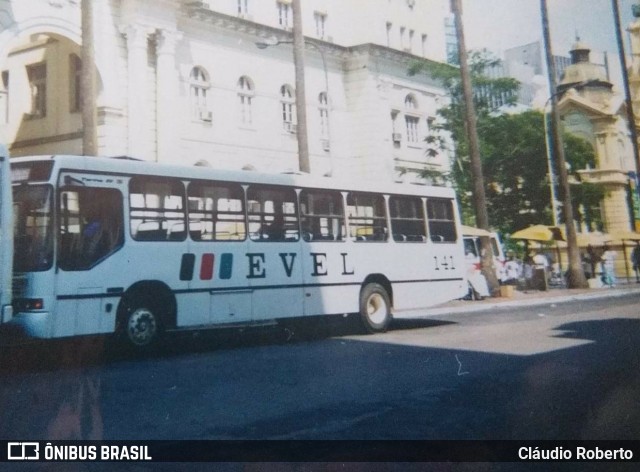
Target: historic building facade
592	110
182	81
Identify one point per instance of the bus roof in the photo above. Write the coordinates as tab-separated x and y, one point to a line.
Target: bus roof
130	166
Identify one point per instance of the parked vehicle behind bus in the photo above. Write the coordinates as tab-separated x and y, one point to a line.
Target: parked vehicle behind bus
472	249
107	245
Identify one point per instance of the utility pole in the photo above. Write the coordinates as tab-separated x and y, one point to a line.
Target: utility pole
575	275
479	197
88	82
301	104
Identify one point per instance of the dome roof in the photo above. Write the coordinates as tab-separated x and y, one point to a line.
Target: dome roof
581	68
580	46
583	72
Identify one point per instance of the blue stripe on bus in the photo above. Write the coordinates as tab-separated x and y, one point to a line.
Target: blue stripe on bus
226	266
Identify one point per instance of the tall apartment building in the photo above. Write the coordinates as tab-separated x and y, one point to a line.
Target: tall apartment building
182	81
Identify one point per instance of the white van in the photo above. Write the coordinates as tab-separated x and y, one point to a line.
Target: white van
471	238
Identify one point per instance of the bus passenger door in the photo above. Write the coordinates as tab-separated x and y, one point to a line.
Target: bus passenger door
90	236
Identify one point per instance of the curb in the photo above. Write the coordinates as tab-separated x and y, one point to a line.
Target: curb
491	305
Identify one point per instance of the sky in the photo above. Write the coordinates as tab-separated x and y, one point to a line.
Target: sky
500	24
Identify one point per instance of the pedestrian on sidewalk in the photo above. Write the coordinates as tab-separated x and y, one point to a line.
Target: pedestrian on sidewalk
635	261
608	266
527	271
586	266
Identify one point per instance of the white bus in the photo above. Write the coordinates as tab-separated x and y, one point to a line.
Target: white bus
115	245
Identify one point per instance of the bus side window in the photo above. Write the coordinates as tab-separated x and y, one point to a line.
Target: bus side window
442	225
407	219
91	226
216	211
367	217
157	209
322	215
272	213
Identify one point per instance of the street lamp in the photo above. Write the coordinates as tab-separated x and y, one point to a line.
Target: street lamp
276	42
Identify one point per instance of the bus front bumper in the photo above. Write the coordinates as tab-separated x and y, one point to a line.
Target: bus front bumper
34	324
6	314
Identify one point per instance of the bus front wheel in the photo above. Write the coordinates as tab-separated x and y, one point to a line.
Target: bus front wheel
375	308
141	325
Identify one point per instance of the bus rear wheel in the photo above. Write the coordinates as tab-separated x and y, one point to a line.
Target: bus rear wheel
375	308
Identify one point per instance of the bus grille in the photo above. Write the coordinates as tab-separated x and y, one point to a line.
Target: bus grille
19	285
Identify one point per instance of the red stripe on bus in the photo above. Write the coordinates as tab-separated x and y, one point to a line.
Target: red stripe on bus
206	269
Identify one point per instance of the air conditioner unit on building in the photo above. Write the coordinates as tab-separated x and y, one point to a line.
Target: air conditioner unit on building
326	145
397	137
205	115
290	127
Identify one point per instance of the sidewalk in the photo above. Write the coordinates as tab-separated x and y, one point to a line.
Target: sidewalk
534	298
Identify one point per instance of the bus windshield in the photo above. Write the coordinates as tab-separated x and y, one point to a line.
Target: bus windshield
33	227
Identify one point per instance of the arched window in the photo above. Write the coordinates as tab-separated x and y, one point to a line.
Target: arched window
245	97
412	120
323	109
198	90
288	107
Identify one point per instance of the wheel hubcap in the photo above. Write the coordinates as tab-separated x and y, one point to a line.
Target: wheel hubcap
376	308
142	327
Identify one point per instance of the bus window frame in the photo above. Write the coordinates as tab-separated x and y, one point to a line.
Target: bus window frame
214	183
159	210
452	222
309	236
52	224
385	228
264	223
410	238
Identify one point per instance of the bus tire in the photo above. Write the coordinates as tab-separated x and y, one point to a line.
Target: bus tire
375	308
141	325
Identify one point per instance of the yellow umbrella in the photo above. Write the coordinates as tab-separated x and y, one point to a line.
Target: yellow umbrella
595	238
541	233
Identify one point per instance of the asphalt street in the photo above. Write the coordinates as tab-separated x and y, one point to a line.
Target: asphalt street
558	371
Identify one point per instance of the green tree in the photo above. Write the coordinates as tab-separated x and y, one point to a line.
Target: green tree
513	150
515	159
449	132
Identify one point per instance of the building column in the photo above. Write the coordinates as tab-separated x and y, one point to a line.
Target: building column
615	209
166	96
137	109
